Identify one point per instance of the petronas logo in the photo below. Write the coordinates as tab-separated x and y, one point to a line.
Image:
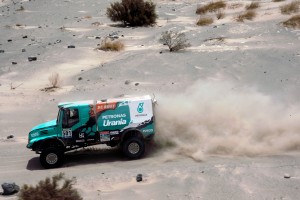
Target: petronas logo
140	108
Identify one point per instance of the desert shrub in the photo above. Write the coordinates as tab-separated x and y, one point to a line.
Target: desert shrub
108	45
249	15
54	80
235	5
211	7
290	8
174	40
21	9
293	22
220	15
204	21
252	6
133	12
278	0
58	187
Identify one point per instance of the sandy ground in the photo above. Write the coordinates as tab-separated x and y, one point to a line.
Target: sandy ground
228	110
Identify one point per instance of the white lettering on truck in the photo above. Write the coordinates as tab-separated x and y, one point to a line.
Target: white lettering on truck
114	123
113	116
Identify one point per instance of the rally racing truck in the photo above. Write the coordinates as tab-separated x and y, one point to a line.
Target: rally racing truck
127	122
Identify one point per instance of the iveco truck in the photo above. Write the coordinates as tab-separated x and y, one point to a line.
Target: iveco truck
127	122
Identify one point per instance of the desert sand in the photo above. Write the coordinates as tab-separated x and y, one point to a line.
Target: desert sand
228	107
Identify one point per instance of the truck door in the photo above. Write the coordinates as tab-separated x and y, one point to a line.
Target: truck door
79	127
70	123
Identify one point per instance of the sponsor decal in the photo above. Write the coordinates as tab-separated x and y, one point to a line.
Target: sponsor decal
113	116
141	115
114	132
67	133
81	135
34	134
140	107
104	136
105	106
80	140
114	123
148	131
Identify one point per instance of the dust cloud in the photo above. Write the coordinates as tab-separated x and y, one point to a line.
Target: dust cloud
218	118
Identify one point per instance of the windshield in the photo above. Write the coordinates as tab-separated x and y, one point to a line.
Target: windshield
58	115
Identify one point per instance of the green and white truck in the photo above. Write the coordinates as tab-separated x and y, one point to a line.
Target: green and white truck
127	122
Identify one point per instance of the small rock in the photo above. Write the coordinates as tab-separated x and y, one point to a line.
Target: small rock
139	178
10	137
127	82
58	41
32	58
215	27
25	36
9	40
160	52
97	38
10	188
14	63
287	176
2	51
71	46
136	84
80	78
23	50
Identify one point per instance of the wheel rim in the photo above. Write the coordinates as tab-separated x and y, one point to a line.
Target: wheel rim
133	148
51	158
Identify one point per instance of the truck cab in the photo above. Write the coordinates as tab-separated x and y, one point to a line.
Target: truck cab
127	122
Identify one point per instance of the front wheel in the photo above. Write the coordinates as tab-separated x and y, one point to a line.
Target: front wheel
134	148
51	158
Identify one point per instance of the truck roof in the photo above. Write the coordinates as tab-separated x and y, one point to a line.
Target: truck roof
91	102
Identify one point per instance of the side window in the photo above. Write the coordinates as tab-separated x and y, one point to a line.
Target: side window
70	118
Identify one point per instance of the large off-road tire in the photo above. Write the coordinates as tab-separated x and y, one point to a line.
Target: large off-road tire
51	158
133	148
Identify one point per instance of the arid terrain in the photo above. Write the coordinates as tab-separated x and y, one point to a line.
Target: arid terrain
228	112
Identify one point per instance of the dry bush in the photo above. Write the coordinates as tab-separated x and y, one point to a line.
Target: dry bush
235	5
87	17
133	12
20	9
54	80
211	7
58	187
252	6
174	40
108	45
220	15
278	0
249	15
204	21
290	8
293	22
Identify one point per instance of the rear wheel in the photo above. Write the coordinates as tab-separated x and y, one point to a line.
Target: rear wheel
134	148
51	158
